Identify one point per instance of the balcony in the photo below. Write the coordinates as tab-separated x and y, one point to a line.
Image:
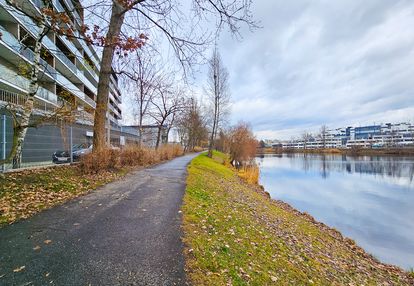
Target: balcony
114	98
112	118
20	83
20	99
61	56
63	81
114	110
115	91
91	53
29	55
50	45
11	42
14	44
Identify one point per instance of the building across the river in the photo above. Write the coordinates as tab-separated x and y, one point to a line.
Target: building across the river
370	136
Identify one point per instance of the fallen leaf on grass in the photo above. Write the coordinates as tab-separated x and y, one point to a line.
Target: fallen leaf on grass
18	269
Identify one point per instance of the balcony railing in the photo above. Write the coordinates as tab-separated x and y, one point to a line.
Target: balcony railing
38	3
19	48
90	51
33	28
63	81
20	99
13	43
90	101
114	110
12	97
112	118
23	83
63	57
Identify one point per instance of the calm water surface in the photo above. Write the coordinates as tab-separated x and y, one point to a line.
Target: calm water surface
369	198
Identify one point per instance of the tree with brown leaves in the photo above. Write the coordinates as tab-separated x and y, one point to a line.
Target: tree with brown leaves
243	143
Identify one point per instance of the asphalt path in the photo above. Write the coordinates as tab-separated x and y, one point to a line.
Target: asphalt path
125	233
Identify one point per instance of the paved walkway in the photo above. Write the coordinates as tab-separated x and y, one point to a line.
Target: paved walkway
127	233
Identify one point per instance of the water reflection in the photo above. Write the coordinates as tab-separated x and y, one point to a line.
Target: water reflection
368	198
385	166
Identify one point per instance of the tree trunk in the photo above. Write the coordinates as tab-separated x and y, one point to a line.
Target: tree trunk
141	109
140	135
158	137
115	24
20	129
210	146
216	103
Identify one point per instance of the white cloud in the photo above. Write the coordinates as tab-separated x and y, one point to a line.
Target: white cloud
319	62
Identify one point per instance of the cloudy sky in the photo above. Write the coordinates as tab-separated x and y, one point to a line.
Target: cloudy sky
339	63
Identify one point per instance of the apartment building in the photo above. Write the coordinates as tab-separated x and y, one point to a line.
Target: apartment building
70	67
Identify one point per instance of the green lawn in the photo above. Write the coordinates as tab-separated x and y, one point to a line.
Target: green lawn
235	235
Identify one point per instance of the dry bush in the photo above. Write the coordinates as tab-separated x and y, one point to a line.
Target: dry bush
167	152
95	162
198	149
242	143
250	174
130	156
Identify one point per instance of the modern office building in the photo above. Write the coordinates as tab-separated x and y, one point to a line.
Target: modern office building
69	67
371	136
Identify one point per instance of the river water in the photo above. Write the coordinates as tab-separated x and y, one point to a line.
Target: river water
368	198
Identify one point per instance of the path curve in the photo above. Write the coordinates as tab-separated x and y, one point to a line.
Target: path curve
125	233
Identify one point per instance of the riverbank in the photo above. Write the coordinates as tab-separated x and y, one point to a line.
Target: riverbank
236	235
349	152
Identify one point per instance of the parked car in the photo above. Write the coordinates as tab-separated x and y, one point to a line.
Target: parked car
78	150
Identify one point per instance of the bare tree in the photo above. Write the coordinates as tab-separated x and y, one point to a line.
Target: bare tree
165	107
323	132
306	137
222	142
218	92
145	83
191	126
168	19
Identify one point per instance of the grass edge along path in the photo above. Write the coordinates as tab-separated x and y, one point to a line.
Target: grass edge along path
235	235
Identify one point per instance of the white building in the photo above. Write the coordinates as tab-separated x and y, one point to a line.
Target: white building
69	67
371	136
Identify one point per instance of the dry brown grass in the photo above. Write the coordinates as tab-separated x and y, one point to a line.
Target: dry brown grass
198	149
130	156
250	174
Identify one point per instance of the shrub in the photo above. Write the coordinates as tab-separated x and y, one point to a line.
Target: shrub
198	149
129	156
95	162
250	174
243	144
